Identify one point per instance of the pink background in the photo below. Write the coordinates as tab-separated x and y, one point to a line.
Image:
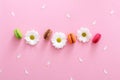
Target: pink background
19	61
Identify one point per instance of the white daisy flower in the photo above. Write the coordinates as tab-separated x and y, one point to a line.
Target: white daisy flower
32	37
59	40
83	34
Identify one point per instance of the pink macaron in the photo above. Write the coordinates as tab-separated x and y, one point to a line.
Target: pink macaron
96	38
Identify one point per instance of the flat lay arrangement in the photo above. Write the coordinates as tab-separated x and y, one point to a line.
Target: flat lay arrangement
58	39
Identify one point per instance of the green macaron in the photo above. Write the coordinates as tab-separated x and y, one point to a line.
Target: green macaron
18	34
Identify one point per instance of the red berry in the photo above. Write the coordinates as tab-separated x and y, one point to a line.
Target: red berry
96	38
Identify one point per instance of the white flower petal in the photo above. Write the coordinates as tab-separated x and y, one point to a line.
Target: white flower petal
19	56
105	47
43	6
1	70
80	60
26	71
94	22
68	15
112	12
71	78
36	37
81	38
12	13
48	63
105	71
63	38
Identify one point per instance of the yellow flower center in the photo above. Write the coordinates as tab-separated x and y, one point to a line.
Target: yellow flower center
84	34
32	37
58	40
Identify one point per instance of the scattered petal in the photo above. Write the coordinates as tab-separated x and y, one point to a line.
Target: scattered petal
68	15
112	12
48	63
12	13
80	60
0	70
105	71
19	56
94	22
71	78
105	47
43	6
26	71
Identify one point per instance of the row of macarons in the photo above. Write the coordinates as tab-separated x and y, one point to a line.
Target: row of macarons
58	39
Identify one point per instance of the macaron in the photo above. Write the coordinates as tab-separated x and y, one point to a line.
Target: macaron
96	38
18	33
47	34
71	38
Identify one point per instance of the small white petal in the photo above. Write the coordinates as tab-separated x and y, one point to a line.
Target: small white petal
105	71
0	70
43	6
80	59
94	22
19	56
105	47
71	78
26	71
68	15
48	63
12	13
112	12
